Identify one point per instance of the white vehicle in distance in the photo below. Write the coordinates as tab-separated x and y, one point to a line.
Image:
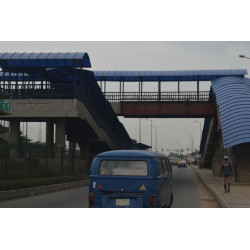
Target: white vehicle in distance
182	164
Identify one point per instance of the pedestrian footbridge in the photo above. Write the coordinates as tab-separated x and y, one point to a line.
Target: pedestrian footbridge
56	88
228	131
226	109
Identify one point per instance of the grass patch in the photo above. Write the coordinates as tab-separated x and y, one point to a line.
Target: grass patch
36	182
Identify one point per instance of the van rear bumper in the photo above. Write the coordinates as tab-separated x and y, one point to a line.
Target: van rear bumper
122	200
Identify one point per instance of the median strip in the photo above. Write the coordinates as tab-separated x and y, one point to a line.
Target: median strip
26	192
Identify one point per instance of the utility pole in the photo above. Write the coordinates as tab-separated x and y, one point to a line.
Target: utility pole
26	138
139	130
40	132
151	132
192	142
200	129
151	136
155	138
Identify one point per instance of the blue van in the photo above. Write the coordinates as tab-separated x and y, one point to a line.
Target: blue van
130	178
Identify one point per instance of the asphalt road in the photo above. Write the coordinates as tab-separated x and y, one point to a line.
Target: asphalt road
186	195
186	192
72	198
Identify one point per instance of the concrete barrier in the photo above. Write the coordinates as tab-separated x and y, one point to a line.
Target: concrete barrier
25	192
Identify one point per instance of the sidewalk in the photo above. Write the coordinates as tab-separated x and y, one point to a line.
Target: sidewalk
239	196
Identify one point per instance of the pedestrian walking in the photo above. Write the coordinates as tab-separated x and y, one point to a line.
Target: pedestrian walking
226	173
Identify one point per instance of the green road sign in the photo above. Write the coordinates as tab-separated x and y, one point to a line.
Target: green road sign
4	104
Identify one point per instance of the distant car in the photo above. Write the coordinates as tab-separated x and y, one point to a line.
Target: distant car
182	164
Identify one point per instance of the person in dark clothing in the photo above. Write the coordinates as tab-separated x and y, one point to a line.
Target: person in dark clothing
227	173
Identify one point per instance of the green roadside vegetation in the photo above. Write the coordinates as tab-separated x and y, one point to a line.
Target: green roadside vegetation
36	182
38	149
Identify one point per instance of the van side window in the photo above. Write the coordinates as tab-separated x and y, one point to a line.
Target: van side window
161	167
169	164
166	166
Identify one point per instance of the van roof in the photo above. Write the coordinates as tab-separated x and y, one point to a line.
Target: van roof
133	153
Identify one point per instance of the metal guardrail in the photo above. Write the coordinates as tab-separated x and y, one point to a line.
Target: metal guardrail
36	91
65	91
156	96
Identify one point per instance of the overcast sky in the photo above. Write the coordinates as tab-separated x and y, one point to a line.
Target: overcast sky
158	20
171	133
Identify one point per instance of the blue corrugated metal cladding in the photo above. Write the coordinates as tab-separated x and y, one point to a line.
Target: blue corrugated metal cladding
233	99
44	60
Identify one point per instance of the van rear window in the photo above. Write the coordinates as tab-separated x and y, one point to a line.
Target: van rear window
129	168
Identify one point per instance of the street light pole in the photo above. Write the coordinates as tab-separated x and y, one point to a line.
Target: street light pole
139	130
192	142
151	136
200	129
155	138
26	138
179	147
151	132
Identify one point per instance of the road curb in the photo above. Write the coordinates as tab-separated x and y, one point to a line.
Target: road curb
216	195
26	192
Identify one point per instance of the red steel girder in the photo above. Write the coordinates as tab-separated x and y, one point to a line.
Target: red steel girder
168	109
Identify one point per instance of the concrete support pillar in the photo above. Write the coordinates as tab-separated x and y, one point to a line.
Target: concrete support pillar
218	157
14	137
72	149
85	155
72	154
84	151
60	138
50	139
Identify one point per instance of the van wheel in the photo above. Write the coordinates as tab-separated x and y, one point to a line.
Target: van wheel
171	201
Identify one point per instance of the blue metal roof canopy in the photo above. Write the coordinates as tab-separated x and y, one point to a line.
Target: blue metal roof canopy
233	99
67	75
43	60
152	76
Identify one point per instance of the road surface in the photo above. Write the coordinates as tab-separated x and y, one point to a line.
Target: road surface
186	192
186	195
71	198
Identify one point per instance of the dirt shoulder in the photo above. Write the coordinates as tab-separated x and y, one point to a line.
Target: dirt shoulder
207	199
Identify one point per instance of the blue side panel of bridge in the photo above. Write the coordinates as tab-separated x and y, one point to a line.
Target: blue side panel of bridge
154	76
18	77
233	99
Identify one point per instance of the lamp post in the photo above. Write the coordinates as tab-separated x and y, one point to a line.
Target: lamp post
139	130
200	129
178	147
243	56
192	142
155	138
151	131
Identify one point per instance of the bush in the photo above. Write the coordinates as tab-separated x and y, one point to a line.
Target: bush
36	182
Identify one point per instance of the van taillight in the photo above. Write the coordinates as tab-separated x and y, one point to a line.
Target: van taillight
153	200
91	199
